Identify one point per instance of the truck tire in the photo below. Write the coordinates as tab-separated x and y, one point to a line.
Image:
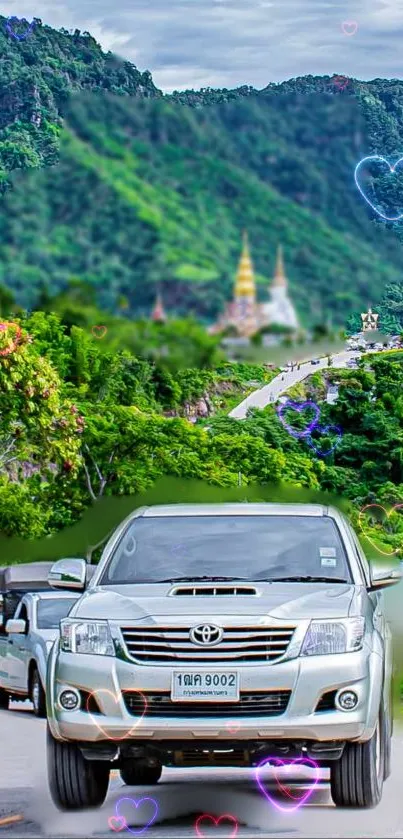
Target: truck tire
37	694
75	783
356	779
136	773
4	699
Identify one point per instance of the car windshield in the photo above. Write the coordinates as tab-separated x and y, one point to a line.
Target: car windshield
246	547
51	611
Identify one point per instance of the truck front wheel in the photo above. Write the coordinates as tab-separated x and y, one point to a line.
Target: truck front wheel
74	782
135	773
356	779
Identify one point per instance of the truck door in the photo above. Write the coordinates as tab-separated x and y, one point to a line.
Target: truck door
17	653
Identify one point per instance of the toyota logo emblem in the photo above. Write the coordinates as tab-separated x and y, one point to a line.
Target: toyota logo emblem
206	634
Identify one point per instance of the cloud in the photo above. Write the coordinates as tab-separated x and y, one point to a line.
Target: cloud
226	43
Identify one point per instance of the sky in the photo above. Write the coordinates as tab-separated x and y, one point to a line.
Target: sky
228	43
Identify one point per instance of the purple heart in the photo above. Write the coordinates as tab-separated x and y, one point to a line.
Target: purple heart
19	20
298	407
323	430
392	170
301	761
136	804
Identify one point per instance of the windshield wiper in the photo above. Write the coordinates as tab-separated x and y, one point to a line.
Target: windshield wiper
197	579
306	579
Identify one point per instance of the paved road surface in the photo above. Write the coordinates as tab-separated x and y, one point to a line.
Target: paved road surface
182	795
271	392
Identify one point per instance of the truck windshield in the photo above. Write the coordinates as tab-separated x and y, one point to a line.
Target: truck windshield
243	547
51	611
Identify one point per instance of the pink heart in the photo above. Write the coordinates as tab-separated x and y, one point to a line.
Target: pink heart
117	823
216	823
97	330
349	27
232	727
116	698
299	761
340	81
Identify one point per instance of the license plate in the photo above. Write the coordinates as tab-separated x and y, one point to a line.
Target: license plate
215	686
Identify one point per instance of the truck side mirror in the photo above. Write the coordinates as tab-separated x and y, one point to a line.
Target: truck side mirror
16	625
68	574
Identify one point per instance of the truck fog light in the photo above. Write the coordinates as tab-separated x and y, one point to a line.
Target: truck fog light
347	700
69	700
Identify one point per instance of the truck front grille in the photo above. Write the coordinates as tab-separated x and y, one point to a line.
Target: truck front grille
269	704
167	645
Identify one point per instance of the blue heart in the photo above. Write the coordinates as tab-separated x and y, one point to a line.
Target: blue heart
323	430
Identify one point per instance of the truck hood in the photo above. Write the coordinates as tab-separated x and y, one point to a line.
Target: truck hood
284	601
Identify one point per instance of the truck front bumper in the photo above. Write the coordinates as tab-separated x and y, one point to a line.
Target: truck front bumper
306	678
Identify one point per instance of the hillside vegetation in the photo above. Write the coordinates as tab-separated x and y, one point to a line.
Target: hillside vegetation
154	191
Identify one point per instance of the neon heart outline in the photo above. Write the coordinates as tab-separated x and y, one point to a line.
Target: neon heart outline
101	326
396	506
117	819
336	81
116	697
20	20
323	428
136	804
216	822
301	760
298	407
349	23
231	727
391	170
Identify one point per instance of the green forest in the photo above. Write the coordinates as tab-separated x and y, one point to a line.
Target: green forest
81	421
112	192
108	181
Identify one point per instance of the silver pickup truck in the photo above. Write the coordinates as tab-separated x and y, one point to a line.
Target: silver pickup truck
25	644
222	634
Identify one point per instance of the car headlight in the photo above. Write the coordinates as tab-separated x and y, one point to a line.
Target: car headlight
327	637
91	637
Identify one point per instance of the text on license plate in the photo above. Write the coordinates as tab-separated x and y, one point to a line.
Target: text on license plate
205	687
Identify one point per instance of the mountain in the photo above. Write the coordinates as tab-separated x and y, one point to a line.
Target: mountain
153	191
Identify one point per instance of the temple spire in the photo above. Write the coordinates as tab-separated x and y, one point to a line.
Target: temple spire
279	273
245	280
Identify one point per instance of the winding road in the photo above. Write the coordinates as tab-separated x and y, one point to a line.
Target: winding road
182	795
271	392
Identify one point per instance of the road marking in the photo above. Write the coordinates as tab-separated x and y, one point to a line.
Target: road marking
10	820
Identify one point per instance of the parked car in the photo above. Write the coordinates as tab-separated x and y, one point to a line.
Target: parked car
265	635
15	581
315	361
25	645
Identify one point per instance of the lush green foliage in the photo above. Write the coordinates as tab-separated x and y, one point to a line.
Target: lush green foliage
81	421
157	195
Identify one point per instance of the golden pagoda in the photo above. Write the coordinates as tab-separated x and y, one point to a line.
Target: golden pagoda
244	313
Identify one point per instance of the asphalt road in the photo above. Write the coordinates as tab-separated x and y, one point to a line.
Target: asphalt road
182	795
279	385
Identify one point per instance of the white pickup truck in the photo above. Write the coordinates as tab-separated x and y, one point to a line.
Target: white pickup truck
25	642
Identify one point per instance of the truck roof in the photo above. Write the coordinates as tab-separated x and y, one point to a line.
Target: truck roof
236	509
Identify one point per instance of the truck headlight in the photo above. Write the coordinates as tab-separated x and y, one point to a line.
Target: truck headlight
327	637
91	637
